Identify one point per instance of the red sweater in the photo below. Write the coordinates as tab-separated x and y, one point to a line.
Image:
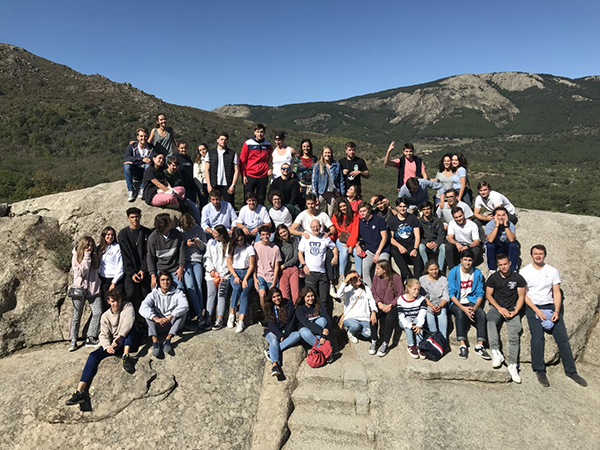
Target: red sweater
352	229
255	158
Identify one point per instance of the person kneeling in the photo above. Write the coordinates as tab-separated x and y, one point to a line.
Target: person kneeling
117	334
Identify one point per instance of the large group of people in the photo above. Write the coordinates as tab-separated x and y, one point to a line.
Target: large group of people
304	238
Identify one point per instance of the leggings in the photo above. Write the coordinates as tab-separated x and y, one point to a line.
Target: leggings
96	305
386	322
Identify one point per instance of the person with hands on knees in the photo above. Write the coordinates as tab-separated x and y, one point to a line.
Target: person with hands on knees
241	262
360	310
434	286
501	238
412	311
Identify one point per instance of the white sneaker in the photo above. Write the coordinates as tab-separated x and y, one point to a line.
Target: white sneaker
130	196
231	321
352	338
514	373
332	291
240	326
141	193
497	358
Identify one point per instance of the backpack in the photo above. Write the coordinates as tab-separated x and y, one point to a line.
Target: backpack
318	356
434	346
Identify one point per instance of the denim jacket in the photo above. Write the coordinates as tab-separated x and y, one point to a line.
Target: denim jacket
319	182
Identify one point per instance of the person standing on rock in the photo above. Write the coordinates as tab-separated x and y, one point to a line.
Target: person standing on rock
282	154
162	137
111	262
545	313
505	291
137	159
166	251
117	334
186	168
353	167
222	169
408	165
373	231
255	159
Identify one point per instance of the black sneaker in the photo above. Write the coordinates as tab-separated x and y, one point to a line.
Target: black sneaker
480	350
92	342
542	378
168	348
128	364
275	370
463	352
577	379
76	399
218	324
157	350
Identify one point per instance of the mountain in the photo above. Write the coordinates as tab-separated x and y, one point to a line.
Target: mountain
463	106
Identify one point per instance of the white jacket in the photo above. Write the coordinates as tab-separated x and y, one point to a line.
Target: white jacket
214	260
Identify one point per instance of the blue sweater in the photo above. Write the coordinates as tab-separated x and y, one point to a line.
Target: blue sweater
454	285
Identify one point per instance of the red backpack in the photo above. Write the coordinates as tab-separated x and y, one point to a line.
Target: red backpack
318	356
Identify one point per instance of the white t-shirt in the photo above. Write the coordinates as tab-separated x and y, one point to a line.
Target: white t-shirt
252	219
540	282
446	212
281	216
221	178
493	200
466	286
279	160
314	249
241	256
464	235
304	219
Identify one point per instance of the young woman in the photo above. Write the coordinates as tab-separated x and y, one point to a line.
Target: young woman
217	275
314	322
445	174
412	310
200	175
111	261
327	179
360	310
460	182
85	264
281	330
303	166
354	196
434	286
241	263
195	240
289	281
162	137
345	221
387	287
117	334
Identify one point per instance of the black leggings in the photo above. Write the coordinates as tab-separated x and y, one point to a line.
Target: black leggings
387	322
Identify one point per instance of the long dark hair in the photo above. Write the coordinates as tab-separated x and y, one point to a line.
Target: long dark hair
341	218
462	160
282	226
102	244
225	236
388	274
237	233
302	295
441	167
270	306
310	153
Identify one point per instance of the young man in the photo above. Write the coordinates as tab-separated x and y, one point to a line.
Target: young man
252	217
353	167
222	169
406	238
465	288
382	207
505	291
282	154
268	260
501	238
166	251
408	164
288	186
311	253
255	160
279	214
217	212
133	242
462	234
137	159
433	236
186	168
302	223
544	312
374	233
415	190
489	200
165	310
445	212
175	178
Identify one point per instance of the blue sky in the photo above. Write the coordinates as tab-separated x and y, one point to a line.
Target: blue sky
210	53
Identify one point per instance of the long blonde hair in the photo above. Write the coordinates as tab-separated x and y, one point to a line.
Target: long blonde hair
322	163
80	250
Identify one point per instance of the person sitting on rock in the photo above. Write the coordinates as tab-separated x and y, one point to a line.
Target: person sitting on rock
415	191
501	238
289	280
490	200
117	335
176	178
505	291
360	310
281	331
165	310
137	159
314	322
111	262
465	288
375	246
444	210
434	286
545	313
278	212
387	286
166	251
251	217
217	212
433	236
462	234
268	262
412	312
217	276
405	235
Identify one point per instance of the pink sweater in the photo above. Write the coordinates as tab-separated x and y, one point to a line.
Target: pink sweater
83	274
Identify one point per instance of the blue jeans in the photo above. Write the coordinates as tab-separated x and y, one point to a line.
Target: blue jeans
179	284
237	293
96	357
276	346
192	277
358	326
511	249
343	258
442	321
441	252
308	336
263	285
194	211
410	337
131	172
357	263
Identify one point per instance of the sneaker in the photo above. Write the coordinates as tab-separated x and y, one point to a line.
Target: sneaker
208	324
497	358
168	348
383	349
157	350
373	348
514	373
240	326
141	193
332	291
542	378
413	352
128	364
421	354
73	346
577	379
231	321
267	354
218	324
463	352
130	196
480	350
92	342
352	338
275	370
76	399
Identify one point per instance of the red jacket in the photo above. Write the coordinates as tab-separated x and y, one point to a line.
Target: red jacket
255	158
352	229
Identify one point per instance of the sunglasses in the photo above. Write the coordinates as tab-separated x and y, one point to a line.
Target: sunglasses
285	168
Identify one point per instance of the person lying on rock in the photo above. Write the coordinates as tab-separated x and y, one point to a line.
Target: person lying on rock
117	335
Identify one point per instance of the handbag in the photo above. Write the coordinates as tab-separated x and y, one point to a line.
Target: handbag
318	356
434	346
343	237
78	293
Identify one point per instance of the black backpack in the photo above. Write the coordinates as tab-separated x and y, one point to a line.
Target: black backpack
434	345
